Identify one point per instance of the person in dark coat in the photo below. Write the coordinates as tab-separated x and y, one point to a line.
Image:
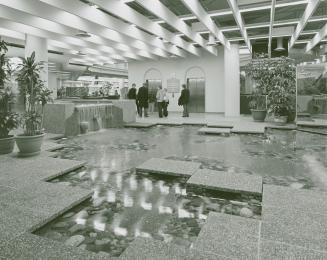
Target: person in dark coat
184	100
132	95
143	100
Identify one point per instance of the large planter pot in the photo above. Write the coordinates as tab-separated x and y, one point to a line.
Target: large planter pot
29	145
280	120
7	144
259	115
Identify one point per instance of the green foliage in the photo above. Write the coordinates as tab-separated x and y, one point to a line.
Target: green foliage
34	91
258	100
8	119
275	78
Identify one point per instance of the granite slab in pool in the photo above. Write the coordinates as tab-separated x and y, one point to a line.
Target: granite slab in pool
168	167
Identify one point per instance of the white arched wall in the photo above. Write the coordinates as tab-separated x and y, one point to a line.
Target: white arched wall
212	67
194	72
152	73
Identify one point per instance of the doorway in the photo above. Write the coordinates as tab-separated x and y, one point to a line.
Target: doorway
197	95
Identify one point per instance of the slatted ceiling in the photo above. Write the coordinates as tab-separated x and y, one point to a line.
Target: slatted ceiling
322	9
190	21
214	5
258	31
168	27
224	20
185	38
314	25
139	8
283	13
260	16
177	7
306	37
205	35
232	34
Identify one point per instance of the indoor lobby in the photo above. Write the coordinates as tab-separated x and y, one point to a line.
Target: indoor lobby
163	129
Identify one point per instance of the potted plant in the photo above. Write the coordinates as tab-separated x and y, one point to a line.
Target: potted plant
258	106
36	96
276	78
281	94
258	70
8	120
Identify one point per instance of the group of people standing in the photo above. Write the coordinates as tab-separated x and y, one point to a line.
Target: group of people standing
142	99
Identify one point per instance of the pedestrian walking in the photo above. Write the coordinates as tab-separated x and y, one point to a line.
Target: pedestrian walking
184	100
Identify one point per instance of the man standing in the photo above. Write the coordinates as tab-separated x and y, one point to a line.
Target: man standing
132	95
143	100
184	100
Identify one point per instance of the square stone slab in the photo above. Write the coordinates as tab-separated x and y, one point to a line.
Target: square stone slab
45	199
295	227
212	130
228	182
29	246
230	236
18	172
221	125
139	125
249	128
270	250
289	198
315	123
148	249
168	167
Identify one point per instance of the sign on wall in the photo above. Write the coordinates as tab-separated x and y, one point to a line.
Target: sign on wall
173	85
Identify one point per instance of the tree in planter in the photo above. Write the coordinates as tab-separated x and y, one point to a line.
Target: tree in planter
276	78
259	71
281	94
35	93
8	119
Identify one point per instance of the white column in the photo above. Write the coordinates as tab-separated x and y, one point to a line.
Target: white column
232	81
40	46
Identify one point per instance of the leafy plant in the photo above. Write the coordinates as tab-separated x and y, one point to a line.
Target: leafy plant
35	93
275	78
258	100
8	120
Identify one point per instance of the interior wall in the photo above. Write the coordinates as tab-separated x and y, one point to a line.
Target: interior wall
212	67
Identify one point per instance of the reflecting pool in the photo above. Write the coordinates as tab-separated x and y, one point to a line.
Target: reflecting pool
125	205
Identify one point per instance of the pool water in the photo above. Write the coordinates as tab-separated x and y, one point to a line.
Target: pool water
281	157
125	205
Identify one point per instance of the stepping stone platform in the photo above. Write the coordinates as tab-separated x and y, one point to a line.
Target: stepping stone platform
249	128
282	127
168	167
316	123
221	125
297	199
146	249
139	125
230	236
215	131
294	223
227	182
29	246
